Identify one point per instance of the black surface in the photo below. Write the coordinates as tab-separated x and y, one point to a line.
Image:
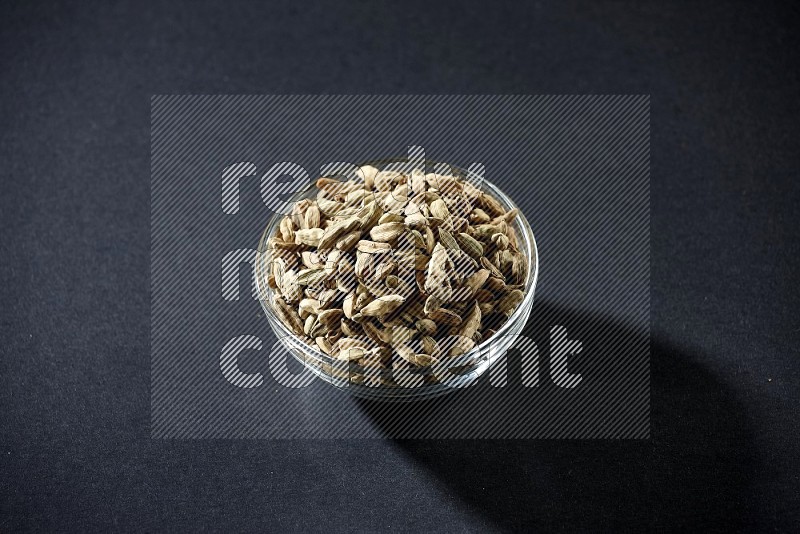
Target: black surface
76	80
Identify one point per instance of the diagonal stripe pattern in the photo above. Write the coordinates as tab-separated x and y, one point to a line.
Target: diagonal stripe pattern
577	166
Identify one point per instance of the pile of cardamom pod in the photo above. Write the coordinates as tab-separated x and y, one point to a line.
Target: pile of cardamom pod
394	272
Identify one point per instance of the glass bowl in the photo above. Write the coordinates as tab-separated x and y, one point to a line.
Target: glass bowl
451	374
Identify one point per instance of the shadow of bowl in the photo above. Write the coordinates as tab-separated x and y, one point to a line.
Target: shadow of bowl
700	451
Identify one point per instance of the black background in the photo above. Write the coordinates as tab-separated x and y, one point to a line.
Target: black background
75	86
